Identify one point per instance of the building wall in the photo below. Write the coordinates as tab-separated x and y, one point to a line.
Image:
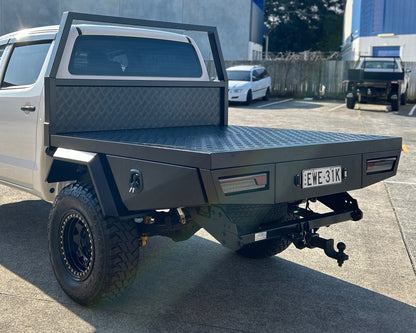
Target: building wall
232	22
379	23
257	22
363	46
231	17
387	16
347	21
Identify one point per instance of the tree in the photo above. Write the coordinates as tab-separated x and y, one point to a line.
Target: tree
299	25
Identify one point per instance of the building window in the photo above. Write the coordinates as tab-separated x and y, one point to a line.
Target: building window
378	16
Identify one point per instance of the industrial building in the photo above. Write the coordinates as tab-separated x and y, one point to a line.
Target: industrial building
380	28
239	22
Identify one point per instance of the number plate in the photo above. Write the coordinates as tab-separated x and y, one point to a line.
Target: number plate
321	176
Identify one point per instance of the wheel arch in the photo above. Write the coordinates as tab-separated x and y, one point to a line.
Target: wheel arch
249	96
84	167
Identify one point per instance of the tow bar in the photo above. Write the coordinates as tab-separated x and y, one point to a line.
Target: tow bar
313	240
302	231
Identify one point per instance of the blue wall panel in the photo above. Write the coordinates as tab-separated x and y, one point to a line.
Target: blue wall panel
257	22
378	16
366	19
384	16
400	17
259	3
356	17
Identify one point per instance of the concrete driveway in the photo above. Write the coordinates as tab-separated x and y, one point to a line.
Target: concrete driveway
199	286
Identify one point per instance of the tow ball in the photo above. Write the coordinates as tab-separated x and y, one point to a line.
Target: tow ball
313	240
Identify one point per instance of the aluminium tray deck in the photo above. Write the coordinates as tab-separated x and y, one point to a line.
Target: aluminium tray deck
216	147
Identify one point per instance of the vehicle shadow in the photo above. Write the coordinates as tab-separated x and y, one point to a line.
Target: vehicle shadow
403	111
274	104
366	108
196	286
307	105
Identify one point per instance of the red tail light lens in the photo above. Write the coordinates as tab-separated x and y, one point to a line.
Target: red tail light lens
241	184
381	165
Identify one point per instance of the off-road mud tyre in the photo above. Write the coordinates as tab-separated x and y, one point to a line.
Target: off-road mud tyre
350	103
92	257
403	98
265	248
395	104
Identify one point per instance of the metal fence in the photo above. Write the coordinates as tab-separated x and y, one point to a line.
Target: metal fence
316	78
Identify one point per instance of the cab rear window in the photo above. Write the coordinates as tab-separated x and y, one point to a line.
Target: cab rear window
379	65
131	56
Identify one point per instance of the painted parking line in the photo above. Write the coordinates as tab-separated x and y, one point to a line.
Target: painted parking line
274	103
399	183
412	110
336	108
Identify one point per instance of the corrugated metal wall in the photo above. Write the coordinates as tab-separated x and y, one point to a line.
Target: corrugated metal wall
384	16
400	17
356	18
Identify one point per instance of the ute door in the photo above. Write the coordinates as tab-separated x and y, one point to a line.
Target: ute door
20	97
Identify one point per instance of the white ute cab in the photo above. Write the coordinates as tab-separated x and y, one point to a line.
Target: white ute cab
247	83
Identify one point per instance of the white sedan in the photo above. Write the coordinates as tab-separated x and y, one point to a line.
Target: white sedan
246	83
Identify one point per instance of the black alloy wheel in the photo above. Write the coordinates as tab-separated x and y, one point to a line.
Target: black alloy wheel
77	245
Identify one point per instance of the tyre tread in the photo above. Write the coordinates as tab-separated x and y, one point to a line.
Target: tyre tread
122	242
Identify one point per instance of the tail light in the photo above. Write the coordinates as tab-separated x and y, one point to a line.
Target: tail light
241	184
381	165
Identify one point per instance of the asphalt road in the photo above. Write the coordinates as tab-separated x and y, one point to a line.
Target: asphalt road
199	286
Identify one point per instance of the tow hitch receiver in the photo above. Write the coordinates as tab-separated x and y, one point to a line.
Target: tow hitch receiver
313	240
